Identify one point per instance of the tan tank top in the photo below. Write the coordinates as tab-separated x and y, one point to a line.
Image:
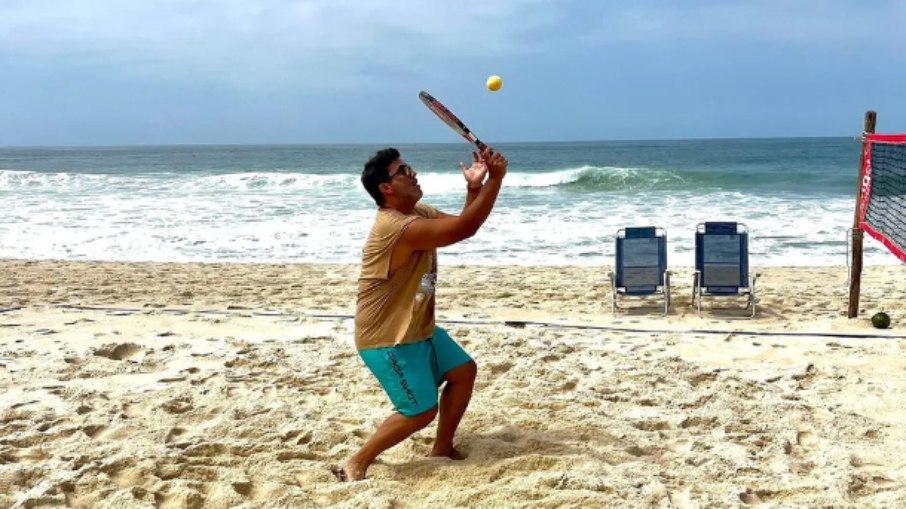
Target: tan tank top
398	308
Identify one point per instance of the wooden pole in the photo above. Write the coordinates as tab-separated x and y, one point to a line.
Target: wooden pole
855	279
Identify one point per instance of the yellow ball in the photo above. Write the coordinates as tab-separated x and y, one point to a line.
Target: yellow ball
494	83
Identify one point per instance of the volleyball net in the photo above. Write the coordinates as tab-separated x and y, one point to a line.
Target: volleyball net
882	201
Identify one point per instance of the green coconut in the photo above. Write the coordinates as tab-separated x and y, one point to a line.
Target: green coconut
880	320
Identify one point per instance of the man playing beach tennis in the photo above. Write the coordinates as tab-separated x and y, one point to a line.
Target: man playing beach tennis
395	332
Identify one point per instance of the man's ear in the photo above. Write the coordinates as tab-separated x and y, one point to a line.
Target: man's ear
385	188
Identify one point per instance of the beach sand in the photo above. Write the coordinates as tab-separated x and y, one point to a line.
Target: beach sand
224	385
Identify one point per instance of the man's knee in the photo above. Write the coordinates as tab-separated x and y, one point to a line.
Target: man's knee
423	419
465	373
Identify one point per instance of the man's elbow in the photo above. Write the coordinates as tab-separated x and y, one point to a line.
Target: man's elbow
459	236
469	234
468	230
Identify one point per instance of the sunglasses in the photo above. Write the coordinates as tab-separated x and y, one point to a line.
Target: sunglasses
404	169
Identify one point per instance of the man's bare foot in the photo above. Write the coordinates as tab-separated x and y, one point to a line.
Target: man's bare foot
352	471
450	452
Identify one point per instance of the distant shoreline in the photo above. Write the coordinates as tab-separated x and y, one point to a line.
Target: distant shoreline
409	143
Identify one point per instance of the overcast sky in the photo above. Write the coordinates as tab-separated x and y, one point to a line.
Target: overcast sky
110	72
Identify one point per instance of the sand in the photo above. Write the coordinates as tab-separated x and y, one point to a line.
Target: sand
188	385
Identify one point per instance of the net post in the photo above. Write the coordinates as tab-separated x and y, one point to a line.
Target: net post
855	280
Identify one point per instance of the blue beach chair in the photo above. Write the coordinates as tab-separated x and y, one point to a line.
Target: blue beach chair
641	265
722	263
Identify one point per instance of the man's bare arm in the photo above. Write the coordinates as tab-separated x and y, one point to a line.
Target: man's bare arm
424	234
471	194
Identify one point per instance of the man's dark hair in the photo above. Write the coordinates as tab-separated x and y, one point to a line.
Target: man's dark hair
376	172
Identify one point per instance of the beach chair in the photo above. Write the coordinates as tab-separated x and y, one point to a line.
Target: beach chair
641	265
722	263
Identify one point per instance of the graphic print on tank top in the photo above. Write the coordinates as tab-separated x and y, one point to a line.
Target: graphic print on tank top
429	282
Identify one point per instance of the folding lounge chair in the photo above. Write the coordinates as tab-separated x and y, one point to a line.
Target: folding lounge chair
722	263
641	265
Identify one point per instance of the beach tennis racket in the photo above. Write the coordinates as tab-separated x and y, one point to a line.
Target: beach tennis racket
450	119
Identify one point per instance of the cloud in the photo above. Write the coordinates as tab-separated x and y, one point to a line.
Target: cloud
808	22
268	40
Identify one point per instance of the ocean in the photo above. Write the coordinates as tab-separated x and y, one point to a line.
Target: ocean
562	203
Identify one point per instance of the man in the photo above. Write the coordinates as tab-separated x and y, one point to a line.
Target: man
395	332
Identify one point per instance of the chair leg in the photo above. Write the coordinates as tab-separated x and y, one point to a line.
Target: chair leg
697	290
752	294
613	296
666	293
694	286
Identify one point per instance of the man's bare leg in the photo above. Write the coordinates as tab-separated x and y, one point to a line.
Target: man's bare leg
453	403
392	431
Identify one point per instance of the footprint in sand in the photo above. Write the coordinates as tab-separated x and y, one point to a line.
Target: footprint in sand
863	484
651	425
179	499
872	433
806	439
679	447
179	405
681	499
120	352
497	368
801	468
305	455
207	450
529	463
639	451
234	391
269	391
43	427
752	497
301	437
93	430
174	434
131	409
699	422
244	488
701	378
569	385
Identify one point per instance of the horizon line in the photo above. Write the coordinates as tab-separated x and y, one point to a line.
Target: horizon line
411	143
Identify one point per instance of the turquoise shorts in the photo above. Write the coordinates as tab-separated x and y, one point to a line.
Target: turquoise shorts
410	374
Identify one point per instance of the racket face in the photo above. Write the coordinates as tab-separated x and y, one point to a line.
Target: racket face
449	118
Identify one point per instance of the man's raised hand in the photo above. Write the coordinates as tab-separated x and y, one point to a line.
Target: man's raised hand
475	174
